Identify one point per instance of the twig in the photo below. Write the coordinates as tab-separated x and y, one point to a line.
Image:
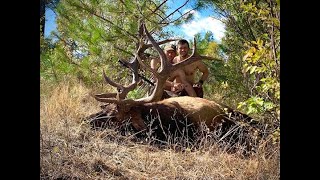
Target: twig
158	7
174	11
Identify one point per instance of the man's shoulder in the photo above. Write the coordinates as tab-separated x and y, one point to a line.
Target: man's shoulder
199	62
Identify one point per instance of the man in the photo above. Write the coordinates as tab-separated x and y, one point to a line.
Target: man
190	70
183	84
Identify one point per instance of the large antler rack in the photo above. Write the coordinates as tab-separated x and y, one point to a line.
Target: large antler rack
166	67
161	76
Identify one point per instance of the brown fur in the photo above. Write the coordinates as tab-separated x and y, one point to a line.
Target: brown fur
195	110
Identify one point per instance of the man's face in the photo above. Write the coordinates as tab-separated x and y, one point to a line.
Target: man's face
171	54
183	49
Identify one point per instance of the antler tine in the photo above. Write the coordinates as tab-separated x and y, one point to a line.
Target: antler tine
107	100
122	90
140	29
141	49
194	46
133	85
108	80
119	97
146	67
162	42
134	65
102	97
163	58
135	78
106	95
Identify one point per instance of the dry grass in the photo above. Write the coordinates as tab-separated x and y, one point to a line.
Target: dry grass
70	150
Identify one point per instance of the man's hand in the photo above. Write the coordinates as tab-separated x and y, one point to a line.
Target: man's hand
177	87
198	84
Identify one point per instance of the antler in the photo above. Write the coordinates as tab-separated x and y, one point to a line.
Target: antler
122	91
166	67
191	59
161	76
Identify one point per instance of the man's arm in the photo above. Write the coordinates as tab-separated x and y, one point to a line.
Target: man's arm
205	72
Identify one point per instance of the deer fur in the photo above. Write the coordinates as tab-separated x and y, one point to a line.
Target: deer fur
170	116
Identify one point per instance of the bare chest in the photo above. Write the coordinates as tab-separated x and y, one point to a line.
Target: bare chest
190	69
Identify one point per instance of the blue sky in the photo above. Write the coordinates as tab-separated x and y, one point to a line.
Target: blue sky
50	22
203	21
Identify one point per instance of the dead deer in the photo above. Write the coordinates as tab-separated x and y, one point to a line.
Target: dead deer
176	115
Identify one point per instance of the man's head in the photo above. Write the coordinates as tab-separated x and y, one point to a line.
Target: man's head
170	51
183	47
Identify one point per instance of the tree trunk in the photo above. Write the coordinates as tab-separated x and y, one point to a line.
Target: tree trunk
42	16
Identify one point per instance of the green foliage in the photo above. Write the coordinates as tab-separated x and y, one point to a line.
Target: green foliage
262	59
252	45
94	35
224	77
256	105
135	94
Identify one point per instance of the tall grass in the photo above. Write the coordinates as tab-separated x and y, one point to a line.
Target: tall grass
70	150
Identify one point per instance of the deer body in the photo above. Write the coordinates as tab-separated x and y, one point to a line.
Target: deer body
198	110
169	115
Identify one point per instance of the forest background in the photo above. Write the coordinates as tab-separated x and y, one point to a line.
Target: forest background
92	35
